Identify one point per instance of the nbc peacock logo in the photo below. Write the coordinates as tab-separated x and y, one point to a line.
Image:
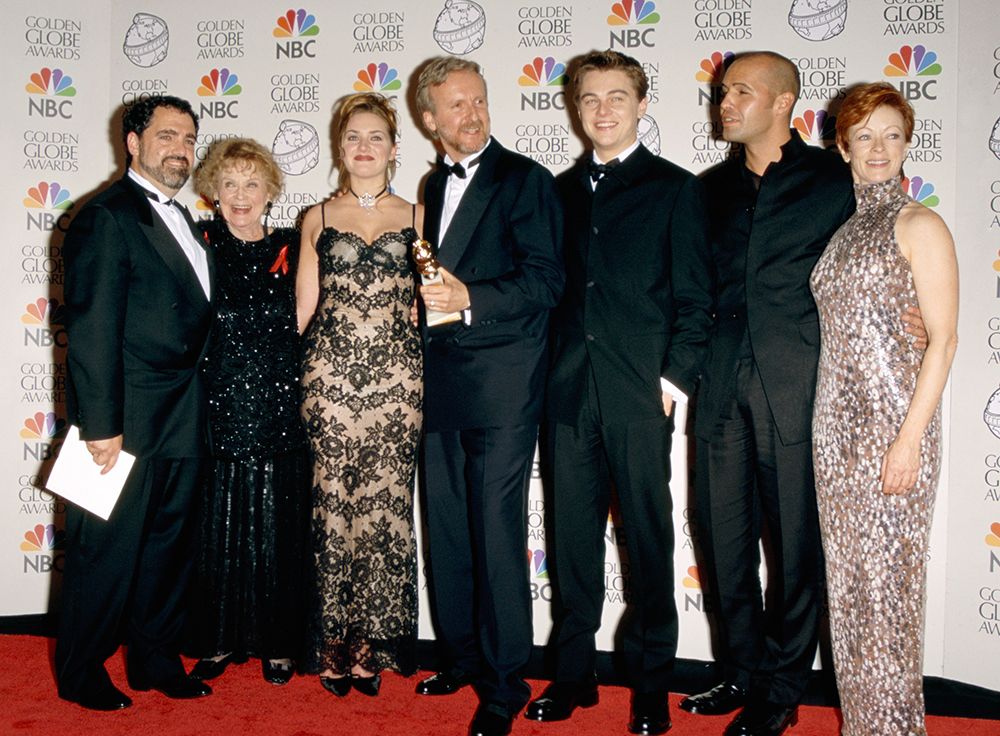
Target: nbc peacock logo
377	78
295	33
543	72
50	93
39	432
993	535
43	547
916	68
43	311
921	190
692	580
632	24
816	127
539	566
43	538
220	83
47	207
710	72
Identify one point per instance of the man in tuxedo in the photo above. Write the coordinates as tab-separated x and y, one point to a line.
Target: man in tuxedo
497	225
772	209
628	339
137	291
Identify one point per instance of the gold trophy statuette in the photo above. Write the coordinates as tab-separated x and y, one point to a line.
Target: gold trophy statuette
427	266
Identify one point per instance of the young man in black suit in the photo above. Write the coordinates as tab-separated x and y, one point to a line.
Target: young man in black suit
627	339
138	290
495	220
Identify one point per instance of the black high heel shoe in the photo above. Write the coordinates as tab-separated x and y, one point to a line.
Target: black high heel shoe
277	673
339	686
367	685
208	669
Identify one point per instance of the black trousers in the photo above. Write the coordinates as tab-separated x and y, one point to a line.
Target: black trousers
476	483
747	483
584	462
126	578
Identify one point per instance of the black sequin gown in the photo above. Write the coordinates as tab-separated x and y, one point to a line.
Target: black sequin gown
362	402
254	517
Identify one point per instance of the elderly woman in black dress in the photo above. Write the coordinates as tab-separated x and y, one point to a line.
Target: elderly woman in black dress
255	511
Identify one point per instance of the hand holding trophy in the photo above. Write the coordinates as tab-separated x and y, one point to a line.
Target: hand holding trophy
428	268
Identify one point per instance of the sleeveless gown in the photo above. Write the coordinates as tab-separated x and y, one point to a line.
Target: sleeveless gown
362	401
254	520
875	544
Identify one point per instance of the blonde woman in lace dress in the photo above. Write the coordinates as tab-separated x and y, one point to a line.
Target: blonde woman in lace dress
362	398
876	422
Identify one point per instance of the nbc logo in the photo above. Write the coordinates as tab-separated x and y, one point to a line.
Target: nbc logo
921	190
816	127
47	207
377	78
638	17
40	545
49	93
710	72
996	270
543	72
914	61
694	600
538	564
693	579
39	431
540	586
41	319
219	83
993	540
290	29
818	20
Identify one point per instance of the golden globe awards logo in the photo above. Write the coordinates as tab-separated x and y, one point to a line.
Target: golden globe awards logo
54	150
913	17
925	147
42	383
295	147
52	38
289	207
723	20
823	77
296	32
147	40
379	31
141	89
545	26
653	78
35	500
42	263
460	27
223	38
633	24
994	142
818	20
294	93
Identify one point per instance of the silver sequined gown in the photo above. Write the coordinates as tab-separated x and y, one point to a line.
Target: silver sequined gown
875	544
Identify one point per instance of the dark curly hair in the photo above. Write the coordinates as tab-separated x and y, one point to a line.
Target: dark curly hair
136	117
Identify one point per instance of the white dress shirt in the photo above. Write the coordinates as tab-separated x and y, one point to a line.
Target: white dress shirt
175	221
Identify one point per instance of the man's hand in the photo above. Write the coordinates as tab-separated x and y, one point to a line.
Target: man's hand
914	325
448	295
105	452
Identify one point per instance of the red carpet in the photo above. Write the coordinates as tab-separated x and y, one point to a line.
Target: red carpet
244	705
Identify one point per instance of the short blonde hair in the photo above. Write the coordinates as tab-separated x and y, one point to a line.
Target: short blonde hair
436	72
237	153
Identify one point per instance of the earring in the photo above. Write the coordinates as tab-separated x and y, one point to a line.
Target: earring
218	212
267	214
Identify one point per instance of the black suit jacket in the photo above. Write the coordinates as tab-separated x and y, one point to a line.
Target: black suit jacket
137	321
503	244
763	279
638	298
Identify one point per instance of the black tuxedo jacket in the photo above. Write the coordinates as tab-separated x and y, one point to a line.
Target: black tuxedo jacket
503	244
137	321
638	298
764	246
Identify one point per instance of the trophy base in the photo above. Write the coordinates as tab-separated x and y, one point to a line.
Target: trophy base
435	318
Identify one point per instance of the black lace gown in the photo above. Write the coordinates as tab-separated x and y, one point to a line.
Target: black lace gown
254	516
362	404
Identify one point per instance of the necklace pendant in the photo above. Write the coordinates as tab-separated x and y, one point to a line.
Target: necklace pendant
367	201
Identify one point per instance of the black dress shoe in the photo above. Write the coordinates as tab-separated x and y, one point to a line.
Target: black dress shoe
181	687
443	683
721	699
367	685
106	698
208	669
558	701
490	721
277	673
339	686
763	719
650	713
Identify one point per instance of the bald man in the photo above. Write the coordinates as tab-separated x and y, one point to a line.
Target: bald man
772	209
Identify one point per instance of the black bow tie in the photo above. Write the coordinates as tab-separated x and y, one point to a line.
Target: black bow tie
598	170
457	169
156	198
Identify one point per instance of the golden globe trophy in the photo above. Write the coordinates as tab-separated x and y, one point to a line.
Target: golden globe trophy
427	266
